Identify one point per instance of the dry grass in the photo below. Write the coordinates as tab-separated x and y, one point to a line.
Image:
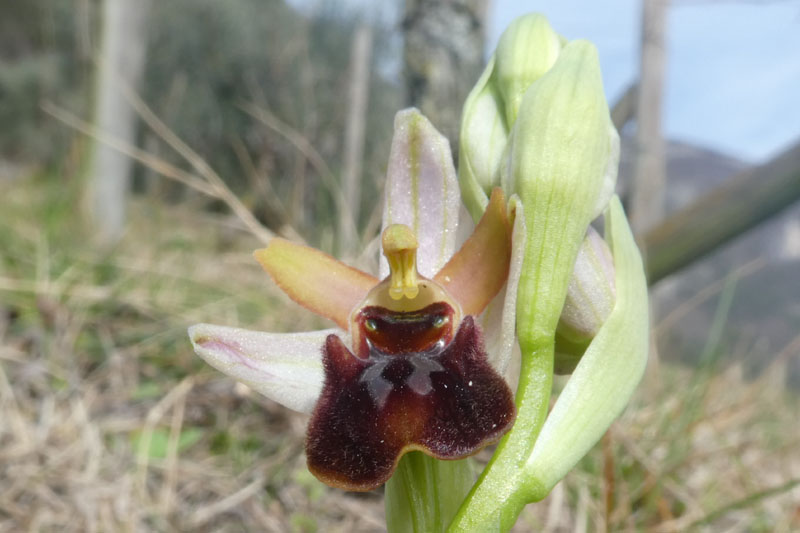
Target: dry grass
108	422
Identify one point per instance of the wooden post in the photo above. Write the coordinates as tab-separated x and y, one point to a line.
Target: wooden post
647	200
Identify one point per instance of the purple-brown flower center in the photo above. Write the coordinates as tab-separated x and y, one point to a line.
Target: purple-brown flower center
415	384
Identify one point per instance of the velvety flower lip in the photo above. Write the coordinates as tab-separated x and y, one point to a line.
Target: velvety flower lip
408	361
413	388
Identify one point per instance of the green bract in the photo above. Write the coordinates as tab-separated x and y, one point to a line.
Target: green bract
607	374
557	157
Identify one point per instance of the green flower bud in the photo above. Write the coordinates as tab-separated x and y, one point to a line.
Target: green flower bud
558	158
590	298
482	142
527	49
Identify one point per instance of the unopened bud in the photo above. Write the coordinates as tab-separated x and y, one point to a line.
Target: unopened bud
483	139
526	50
590	299
557	163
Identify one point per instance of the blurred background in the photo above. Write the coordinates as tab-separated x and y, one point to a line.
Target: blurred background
148	147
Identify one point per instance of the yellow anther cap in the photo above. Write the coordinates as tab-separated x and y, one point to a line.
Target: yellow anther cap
400	248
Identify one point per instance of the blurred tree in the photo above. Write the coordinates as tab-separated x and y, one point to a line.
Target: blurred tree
120	66
443	56
210	64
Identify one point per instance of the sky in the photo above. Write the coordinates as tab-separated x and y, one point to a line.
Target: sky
733	67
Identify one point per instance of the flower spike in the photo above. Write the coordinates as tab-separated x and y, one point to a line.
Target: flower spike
409	370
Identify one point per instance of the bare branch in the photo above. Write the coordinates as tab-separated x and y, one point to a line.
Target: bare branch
165	169
156	164
729	210
306	148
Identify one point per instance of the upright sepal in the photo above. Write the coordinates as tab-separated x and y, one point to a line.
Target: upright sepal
422	190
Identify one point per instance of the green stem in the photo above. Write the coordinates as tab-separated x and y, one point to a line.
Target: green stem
503	490
424	493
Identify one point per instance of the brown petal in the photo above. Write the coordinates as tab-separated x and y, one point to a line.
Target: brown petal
477	272
315	280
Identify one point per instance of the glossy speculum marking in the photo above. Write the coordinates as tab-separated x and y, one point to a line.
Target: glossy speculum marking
415	383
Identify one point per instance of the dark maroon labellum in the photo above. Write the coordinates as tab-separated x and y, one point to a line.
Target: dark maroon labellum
413	385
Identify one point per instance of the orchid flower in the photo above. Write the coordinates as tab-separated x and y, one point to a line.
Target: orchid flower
423	355
406	368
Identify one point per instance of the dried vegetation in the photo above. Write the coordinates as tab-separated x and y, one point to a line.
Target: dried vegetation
108	422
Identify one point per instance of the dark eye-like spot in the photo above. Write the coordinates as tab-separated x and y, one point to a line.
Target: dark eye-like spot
371	325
